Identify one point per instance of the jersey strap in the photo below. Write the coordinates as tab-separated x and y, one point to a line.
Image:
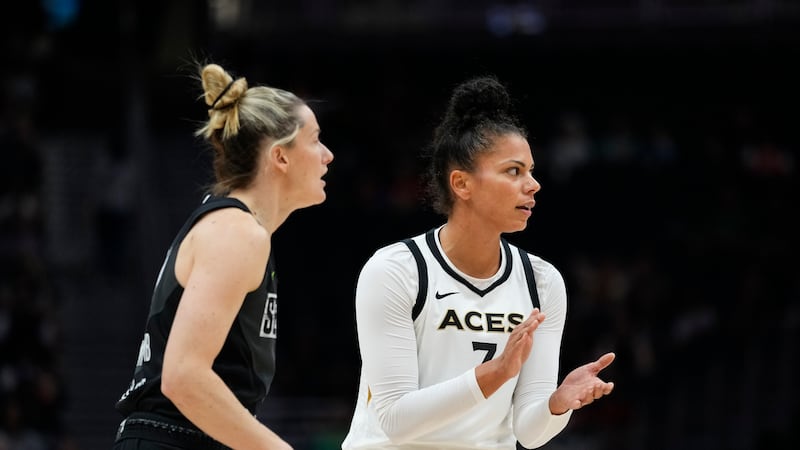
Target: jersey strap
526	264
208	204
422	269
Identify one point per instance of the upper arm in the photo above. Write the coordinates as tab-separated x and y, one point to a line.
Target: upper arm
228	256
538	378
385	295
541	368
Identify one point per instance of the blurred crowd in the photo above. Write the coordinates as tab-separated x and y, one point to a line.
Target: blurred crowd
32	391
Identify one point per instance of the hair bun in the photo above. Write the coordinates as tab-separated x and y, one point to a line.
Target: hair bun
479	98
220	89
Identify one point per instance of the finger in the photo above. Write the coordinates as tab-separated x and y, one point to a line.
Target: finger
535	316
599	391
604	361
531	323
602	389
522	336
535	323
525	323
522	329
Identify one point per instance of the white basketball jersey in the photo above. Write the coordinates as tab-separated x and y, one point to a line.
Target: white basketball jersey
459	322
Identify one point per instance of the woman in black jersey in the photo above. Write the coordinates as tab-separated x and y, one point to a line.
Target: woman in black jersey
208	352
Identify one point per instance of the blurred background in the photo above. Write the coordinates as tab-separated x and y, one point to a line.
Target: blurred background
664	134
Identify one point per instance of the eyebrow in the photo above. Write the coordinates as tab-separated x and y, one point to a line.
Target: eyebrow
521	163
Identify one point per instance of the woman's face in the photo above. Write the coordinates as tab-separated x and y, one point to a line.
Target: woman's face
310	159
502	186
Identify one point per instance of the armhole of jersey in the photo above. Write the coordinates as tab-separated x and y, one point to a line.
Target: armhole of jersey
422	271
526	264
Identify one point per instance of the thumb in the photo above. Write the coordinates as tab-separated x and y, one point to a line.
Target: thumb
604	361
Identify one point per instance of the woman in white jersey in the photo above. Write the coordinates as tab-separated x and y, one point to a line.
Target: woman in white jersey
460	331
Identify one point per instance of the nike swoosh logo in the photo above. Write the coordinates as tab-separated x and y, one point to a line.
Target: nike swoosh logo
441	296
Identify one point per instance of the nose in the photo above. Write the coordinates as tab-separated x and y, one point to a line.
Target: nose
533	186
327	155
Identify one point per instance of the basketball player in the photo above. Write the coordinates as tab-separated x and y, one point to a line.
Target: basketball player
208	353
460	331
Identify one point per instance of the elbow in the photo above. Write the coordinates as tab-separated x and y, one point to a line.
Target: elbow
397	435
536	438
398	438
528	439
174	384
530	443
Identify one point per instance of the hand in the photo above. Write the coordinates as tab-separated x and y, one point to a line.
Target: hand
518	346
494	373
582	386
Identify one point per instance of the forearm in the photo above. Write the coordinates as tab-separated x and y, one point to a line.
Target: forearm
491	376
210	405
406	416
535	423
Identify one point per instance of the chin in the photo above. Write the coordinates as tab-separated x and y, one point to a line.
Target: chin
319	199
518	227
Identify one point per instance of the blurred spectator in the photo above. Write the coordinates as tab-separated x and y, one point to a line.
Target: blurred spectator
115	217
570	148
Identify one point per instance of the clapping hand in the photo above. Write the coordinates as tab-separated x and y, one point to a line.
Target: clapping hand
582	386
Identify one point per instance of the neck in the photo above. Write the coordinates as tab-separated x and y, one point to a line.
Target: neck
473	251
264	208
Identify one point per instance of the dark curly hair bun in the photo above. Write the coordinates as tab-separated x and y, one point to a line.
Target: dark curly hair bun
479	99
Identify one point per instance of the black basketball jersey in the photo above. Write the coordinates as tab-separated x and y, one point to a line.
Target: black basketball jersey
246	362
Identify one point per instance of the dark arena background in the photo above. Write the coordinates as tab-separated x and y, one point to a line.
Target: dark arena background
665	134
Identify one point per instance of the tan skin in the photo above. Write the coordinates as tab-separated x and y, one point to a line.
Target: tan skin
495	198
220	261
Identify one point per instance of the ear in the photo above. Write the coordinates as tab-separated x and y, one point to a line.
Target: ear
278	157
460	183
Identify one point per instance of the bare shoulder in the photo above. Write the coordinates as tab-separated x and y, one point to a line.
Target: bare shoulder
231	241
232	226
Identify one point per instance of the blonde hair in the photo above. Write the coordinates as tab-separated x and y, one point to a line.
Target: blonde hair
240	119
222	93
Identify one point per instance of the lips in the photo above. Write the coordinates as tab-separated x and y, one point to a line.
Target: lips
527	206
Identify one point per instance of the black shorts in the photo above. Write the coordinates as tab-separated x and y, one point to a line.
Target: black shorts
143	431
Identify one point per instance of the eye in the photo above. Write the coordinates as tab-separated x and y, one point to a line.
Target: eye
513	171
